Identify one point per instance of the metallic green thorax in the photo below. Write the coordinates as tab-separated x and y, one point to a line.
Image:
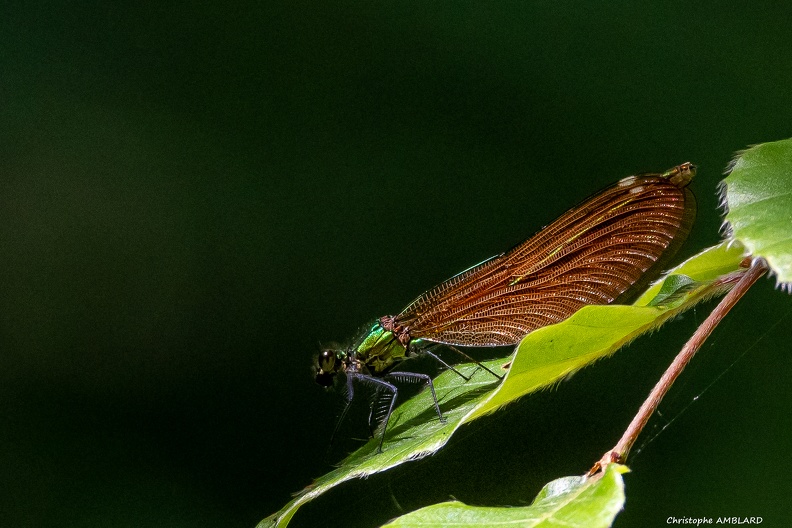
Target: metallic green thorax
380	351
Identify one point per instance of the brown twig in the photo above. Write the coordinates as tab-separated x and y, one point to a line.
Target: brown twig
622	448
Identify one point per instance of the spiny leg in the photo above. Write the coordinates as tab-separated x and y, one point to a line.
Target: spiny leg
478	363
380	385
350	396
372	418
455	349
446	365
414	377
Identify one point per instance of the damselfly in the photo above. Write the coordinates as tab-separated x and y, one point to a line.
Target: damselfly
599	252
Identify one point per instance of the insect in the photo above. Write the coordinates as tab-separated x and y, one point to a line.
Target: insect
599	252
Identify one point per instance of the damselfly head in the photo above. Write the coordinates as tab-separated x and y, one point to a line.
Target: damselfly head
328	364
681	174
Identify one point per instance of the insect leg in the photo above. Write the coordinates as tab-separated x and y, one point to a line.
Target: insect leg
446	365
350	395
380	386
414	377
372	418
455	349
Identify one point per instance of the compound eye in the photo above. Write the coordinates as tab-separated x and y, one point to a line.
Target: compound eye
328	361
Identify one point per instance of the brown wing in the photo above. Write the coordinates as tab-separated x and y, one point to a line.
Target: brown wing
592	254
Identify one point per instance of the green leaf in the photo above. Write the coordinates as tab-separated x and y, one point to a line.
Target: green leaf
414	431
549	354
544	357
673	290
758	197
572	502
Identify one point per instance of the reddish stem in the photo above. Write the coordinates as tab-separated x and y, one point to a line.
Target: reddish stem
622	448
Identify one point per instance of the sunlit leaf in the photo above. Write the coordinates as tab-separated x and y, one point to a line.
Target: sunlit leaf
571	502
543	358
758	197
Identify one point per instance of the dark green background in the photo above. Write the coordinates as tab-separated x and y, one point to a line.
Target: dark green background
193	198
